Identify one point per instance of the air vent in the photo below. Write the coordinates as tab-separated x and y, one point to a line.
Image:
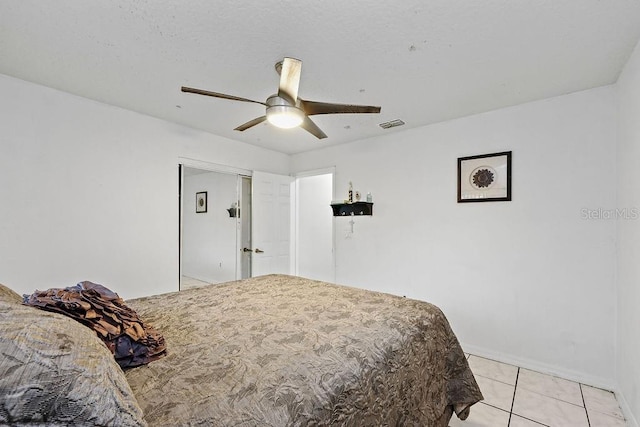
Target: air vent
391	124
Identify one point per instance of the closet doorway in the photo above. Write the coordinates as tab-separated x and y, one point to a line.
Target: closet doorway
215	226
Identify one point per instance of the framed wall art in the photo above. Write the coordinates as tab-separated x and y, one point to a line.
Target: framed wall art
201	202
485	178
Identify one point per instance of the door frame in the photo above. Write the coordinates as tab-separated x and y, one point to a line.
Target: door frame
211	167
246	215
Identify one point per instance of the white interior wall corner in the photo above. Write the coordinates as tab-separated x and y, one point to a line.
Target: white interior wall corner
628	240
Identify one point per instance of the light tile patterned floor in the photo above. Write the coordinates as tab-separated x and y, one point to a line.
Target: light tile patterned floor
518	397
190	282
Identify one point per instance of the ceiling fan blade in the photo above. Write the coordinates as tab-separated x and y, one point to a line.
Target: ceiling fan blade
312	107
312	128
290	79
251	123
218	95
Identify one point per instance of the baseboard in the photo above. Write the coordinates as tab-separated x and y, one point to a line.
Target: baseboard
534	365
626	411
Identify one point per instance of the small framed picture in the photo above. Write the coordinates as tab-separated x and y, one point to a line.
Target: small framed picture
201	202
485	178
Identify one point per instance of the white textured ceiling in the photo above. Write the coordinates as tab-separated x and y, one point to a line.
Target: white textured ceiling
423	61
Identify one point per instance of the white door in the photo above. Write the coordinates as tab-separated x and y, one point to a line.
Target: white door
271	224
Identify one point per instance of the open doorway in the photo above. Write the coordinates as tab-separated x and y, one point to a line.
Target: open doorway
215	227
314	230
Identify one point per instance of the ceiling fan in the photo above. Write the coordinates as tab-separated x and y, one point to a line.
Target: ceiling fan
285	109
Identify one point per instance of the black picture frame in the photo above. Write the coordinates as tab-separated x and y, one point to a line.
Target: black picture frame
201	202
485	178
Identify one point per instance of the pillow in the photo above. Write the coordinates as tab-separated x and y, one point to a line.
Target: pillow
55	371
7	295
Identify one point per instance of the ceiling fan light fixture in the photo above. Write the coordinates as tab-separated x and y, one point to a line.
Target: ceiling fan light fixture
283	115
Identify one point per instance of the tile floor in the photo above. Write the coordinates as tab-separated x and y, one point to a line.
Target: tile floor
190	282
518	397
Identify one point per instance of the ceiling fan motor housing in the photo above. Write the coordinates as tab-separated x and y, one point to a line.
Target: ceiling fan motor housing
282	113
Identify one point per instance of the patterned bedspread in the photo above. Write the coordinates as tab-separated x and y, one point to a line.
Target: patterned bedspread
286	351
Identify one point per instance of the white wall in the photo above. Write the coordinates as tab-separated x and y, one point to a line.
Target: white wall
628	277
209	245
528	281
89	191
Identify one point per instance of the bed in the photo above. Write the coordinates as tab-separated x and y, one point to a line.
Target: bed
269	351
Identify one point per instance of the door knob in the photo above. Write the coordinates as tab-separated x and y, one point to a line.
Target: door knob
246	250
259	251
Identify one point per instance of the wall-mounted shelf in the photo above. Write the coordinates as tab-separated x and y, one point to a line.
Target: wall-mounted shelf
355	208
